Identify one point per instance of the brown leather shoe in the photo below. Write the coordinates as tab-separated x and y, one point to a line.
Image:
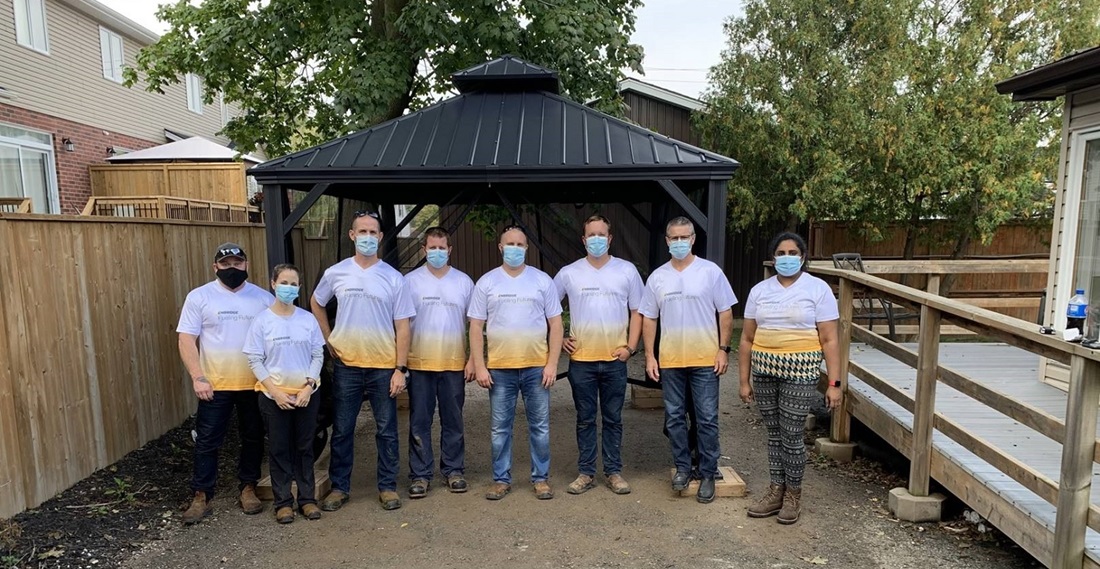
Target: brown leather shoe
617	484
199	509
543	491
498	491
792	506
284	515
250	503
770	503
582	484
310	512
334	500
389	500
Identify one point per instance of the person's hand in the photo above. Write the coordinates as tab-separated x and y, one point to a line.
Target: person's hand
303	396
398	382
468	371
569	345
721	362
483	378
203	390
282	400
833	395
621	353
549	376
652	369
747	394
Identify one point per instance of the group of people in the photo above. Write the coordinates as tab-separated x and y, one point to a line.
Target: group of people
393	333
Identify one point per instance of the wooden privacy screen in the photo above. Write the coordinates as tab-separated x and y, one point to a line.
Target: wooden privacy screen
88	313
216	182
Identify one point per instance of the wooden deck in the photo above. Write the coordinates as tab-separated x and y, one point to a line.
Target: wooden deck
1014	509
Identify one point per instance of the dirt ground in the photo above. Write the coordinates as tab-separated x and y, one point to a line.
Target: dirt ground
844	522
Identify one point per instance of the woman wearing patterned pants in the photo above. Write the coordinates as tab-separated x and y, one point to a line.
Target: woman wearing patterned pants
790	327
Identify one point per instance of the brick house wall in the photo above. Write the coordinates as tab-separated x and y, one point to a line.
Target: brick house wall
90	147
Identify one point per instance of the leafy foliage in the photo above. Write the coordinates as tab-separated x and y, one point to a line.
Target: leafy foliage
883	111
306	71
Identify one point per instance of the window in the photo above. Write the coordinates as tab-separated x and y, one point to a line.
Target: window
1086	266
194	93
110	46
224	107
26	168
30	24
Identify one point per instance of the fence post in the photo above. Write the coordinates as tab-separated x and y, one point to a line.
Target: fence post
1075	483
928	356
842	420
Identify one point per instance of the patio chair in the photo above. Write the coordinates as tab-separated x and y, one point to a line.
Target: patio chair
868	305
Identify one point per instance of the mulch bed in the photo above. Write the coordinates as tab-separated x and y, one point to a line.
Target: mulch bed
102	519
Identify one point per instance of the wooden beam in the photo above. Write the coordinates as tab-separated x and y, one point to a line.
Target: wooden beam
716	223
946	267
685	202
307	202
841	425
1075	482
924	412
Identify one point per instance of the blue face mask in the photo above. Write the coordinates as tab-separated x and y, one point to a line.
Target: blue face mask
437	258
596	245
366	245
514	255
679	249
788	265
286	293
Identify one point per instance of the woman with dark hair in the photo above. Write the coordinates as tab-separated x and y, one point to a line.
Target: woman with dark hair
285	350
790	326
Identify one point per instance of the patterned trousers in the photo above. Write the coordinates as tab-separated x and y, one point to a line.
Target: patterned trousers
786	386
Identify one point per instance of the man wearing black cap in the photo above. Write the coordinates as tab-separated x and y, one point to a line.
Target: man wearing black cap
212	331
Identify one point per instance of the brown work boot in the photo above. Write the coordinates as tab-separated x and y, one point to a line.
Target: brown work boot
792	506
770	503
284	515
617	484
250	503
310	511
334	500
542	490
198	509
498	491
389	500
582	484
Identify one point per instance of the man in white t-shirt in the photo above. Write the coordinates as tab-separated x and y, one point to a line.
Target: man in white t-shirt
604	328
438	365
692	299
212	329
370	346
518	307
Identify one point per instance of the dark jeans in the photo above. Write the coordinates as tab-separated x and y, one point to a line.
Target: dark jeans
350	387
599	385
290	449
425	389
703	384
211	423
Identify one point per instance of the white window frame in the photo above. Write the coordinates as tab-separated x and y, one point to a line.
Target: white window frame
112	61
1070	224
194	93
224	108
25	12
53	196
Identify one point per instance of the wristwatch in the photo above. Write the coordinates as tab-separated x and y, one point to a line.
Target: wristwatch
631	350
726	349
834	383
404	370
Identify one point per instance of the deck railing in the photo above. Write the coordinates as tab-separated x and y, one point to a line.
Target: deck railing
1077	434
15	205
167	207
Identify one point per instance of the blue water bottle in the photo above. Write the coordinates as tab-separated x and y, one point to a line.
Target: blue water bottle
1077	311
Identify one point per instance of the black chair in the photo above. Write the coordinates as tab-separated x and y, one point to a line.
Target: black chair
869	306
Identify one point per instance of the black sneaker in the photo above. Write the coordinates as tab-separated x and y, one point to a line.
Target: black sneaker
418	489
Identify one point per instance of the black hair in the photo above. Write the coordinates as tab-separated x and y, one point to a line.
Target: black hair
788	236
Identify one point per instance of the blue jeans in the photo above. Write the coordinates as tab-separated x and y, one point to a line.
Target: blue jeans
602	385
350	387
449	389
211	423
507	385
704	392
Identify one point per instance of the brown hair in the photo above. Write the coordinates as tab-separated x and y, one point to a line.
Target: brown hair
437	231
278	270
597	217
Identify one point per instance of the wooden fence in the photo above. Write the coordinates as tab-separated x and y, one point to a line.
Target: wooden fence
88	313
15	205
1011	239
168	207
1077	434
211	181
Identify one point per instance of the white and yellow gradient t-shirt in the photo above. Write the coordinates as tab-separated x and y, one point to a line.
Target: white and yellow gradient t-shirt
687	304
515	310
369	301
786	318
600	301
439	328
221	319
292	349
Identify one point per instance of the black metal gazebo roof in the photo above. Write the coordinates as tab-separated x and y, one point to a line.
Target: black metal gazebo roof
506	137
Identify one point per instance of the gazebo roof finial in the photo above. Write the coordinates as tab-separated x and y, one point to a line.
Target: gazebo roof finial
507	74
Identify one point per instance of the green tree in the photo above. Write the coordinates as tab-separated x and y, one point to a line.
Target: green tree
885	111
306	71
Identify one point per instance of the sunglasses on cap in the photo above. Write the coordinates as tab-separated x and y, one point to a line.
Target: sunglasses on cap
365	213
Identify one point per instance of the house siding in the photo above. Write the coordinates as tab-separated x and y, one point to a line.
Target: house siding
669	120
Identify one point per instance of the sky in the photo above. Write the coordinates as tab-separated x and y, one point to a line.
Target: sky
680	43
